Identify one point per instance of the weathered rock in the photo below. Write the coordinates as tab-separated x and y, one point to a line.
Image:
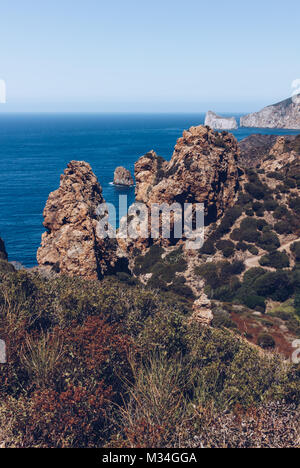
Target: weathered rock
123	177
285	114
71	244
216	122
203	169
3	253
281	154
257	148
202	312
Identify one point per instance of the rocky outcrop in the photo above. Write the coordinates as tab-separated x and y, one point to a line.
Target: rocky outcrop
281	154
203	169
216	122
3	254
202	311
71	244
257	148
123	177
285	114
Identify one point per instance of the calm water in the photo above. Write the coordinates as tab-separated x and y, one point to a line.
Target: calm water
34	150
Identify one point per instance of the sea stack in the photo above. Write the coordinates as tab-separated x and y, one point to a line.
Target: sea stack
71	244
216	122
285	114
123	177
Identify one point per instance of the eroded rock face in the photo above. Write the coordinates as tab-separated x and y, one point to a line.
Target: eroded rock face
3	254
257	148
123	177
203	169
202	312
71	244
283	152
285	114
216	122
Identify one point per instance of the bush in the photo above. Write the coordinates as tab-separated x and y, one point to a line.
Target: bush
208	248
269	241
257	191
227	247
251	236
280	212
242	246
276	260
270	205
295	248
266	341
274	285
253	250
282	227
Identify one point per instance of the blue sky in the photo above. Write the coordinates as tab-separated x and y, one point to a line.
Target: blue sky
148	56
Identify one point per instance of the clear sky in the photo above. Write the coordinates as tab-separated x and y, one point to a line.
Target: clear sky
148	55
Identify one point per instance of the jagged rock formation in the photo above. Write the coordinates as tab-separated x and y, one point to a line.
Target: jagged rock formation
123	177
285	114
202	311
71	244
257	148
284	152
203	169
3	254
216	122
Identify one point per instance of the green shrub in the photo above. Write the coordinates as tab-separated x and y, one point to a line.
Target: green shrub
270	205
253	250
256	190
208	248
282	227
227	247
242	246
280	212
295	248
266	341
269	241
294	204
275	259
274	285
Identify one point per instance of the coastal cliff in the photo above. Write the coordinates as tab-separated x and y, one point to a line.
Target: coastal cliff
216	122
285	114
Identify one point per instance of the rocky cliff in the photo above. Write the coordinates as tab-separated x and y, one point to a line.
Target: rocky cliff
285	114
256	148
203	169
3	254
71	244
216	122
123	177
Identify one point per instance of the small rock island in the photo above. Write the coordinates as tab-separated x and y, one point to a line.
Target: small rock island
216	122
123	177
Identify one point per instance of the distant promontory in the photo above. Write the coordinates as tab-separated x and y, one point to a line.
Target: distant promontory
285	114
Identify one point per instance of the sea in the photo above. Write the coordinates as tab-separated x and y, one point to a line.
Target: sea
35	149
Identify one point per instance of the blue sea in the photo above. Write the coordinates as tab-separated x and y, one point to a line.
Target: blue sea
35	149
